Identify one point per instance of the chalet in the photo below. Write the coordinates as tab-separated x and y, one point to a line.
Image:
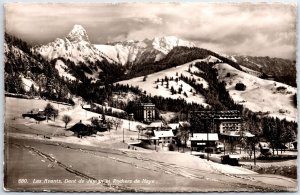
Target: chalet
87	107
163	137
145	112
37	114
174	126
147	133
264	147
80	129
156	125
201	141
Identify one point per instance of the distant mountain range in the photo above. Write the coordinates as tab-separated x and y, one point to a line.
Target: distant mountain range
57	69
77	48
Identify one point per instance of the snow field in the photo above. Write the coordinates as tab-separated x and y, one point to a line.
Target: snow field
150	85
260	95
61	68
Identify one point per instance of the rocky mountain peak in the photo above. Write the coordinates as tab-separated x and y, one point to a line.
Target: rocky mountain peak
166	43
78	33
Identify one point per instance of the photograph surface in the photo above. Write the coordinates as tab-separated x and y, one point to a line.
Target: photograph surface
150	97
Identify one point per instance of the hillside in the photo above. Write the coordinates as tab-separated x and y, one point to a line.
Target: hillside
281	70
153	84
28	73
178	56
166	67
274	98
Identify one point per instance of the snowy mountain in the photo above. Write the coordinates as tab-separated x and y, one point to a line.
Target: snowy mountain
282	70
260	95
270	98
165	66
156	84
18	55
137	52
15	60
28	73
75	47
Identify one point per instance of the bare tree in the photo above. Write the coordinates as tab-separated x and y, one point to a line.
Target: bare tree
109	123
183	133
117	122
139	127
66	119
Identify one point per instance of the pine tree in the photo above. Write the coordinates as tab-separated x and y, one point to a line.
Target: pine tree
172	90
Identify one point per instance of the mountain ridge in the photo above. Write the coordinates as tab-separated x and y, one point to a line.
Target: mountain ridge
135	52
75	47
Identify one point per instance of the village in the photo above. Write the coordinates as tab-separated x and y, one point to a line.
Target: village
217	136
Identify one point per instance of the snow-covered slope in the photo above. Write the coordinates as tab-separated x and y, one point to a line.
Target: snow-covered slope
260	95
16	59
250	71
62	70
142	51
75	47
284	70
152	87
28	83
18	54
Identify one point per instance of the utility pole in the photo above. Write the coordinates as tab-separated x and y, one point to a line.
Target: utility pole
130	117
254	154
207	150
224	146
123	135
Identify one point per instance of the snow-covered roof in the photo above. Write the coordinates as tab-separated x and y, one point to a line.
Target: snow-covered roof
264	145
87	106
147	104
173	125
159	134
238	133
203	136
36	110
236	156
248	134
156	124
184	122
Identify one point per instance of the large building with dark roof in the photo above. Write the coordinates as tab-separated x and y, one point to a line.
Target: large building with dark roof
145	112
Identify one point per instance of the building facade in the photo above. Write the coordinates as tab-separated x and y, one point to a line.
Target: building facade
223	122
201	141
228	126
145	112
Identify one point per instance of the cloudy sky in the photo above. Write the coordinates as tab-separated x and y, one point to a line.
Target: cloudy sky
250	29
